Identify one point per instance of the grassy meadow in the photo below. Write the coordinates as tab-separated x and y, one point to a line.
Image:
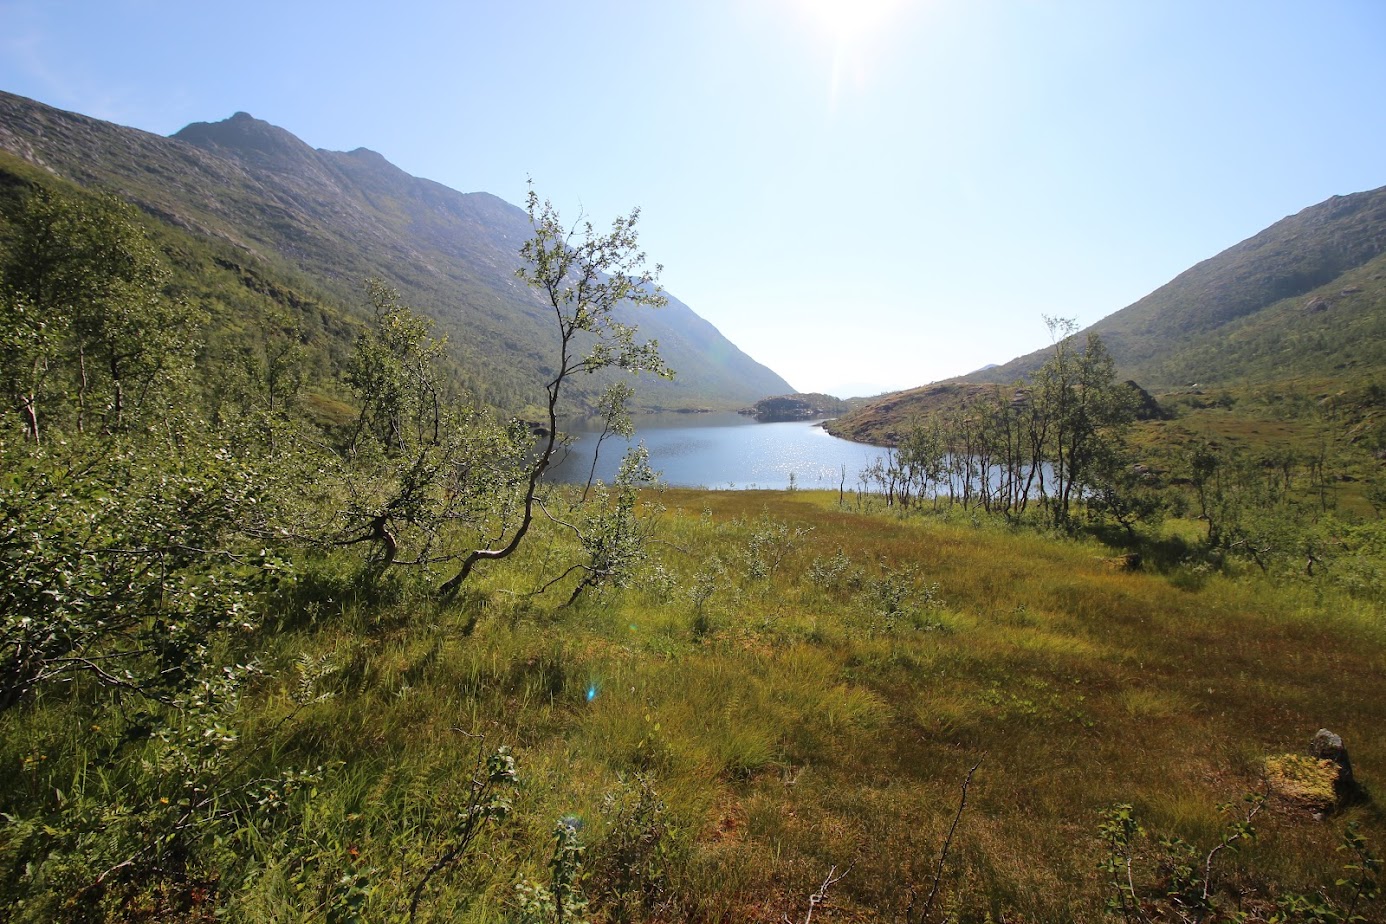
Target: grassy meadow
794	687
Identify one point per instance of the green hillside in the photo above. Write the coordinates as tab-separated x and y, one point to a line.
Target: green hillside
1300	306
1336	330
1321	250
251	309
335	219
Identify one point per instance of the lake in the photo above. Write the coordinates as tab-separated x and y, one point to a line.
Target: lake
726	451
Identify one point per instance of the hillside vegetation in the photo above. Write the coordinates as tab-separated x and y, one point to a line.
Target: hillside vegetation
760	707
249	313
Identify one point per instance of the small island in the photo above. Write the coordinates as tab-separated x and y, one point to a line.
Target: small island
781	408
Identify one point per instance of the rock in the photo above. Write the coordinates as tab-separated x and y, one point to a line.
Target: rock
1328	746
1147	408
796	407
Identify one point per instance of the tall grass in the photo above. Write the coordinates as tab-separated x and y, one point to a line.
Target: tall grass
800	687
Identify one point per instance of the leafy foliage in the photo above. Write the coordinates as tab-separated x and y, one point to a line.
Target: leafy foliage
127	566
216	705
1188	887
585	278
84	314
560	899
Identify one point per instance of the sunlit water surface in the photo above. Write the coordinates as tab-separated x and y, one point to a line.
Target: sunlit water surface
726	451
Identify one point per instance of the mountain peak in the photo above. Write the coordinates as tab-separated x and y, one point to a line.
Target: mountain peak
247	137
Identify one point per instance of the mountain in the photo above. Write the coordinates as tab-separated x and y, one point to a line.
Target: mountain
1304	299
1296	295
329	220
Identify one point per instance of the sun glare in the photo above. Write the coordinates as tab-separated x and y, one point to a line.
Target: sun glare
850	27
850	22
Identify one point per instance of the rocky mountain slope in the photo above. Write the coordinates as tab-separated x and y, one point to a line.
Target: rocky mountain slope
332	219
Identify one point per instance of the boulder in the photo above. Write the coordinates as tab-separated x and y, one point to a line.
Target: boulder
1328	746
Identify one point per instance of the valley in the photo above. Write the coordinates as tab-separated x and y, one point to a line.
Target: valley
309	610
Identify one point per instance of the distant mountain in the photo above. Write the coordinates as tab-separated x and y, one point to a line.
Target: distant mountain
332	219
1304	298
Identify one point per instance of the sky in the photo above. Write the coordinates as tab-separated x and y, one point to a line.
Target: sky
864	195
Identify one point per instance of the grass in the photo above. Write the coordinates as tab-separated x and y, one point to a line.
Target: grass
803	687
810	730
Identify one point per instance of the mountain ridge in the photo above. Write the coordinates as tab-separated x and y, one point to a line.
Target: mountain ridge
1304	297
339	218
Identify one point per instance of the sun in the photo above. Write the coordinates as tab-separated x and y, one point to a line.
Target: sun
849	23
852	29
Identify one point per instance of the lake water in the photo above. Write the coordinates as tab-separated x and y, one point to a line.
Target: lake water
726	451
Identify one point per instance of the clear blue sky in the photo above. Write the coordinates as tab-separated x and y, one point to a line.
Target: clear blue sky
862	194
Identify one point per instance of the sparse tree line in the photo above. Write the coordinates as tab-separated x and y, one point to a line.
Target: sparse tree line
1047	444
1057	450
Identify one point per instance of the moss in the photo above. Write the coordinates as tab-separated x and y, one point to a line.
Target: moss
1303	780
